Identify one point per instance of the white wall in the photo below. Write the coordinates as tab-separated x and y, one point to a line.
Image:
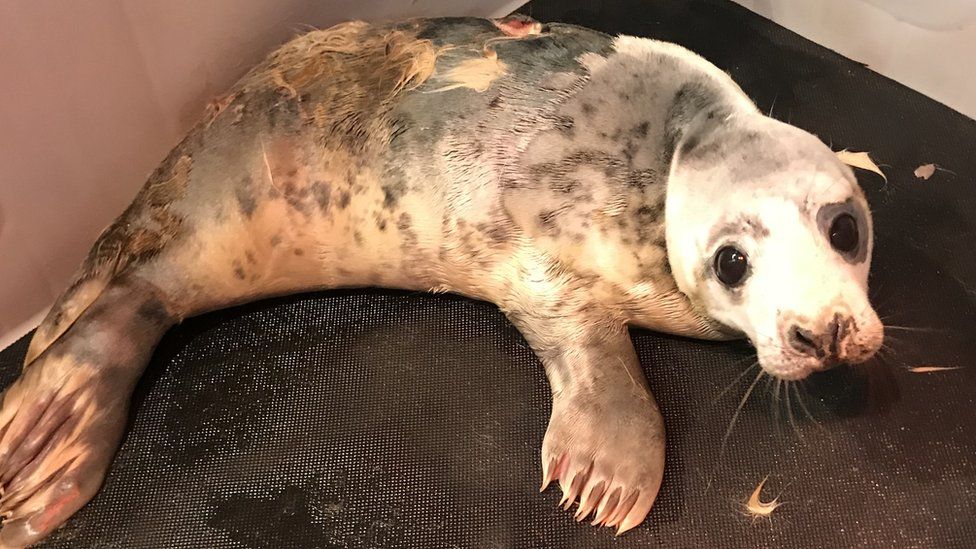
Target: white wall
928	45
94	94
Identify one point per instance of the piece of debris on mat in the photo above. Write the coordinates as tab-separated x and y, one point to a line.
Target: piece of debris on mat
925	171
756	508
860	160
930	369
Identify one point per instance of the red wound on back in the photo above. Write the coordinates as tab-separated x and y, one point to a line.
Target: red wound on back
518	25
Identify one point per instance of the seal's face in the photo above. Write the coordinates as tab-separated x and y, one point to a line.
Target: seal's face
769	234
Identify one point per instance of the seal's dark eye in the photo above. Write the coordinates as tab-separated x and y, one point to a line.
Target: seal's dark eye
843	233
730	266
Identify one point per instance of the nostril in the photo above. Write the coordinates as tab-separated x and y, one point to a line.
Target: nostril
836	333
841	328
804	341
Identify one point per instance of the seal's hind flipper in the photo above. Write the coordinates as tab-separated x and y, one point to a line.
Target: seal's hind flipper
62	420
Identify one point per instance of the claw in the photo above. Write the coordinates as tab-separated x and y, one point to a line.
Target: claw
622	509
548	473
638	512
606	507
589	500
562	500
565	480
570	497
579	482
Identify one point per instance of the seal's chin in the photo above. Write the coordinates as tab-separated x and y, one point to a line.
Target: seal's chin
792	368
782	363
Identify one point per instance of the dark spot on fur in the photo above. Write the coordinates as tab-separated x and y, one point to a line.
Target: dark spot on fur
408	236
404	222
640	179
154	312
495	102
298	251
239	271
358	237
565	124
588	108
381	224
297	198
275	240
344	198
690	101
650	213
757	227
322	194
245	196
567	185
250	257
642	128
392	194
630	149
497	232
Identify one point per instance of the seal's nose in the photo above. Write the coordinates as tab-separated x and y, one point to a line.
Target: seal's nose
824	343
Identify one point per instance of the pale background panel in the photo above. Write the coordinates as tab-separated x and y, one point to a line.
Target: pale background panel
928	45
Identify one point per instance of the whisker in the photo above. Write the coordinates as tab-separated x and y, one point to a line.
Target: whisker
882	360
803	405
910	328
789	412
886	348
735	417
735	381
775	403
900	312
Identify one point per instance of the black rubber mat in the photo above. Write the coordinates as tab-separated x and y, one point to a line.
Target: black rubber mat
381	419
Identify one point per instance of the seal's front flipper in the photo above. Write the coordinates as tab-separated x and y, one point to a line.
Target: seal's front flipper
61	422
605	441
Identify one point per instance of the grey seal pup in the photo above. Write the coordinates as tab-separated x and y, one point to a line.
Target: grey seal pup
581	182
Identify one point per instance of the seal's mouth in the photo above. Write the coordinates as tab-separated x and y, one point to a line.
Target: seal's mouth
790	360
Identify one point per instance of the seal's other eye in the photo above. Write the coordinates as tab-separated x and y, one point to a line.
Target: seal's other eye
731	266
843	233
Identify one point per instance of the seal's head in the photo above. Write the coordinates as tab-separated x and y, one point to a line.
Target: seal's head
769	234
